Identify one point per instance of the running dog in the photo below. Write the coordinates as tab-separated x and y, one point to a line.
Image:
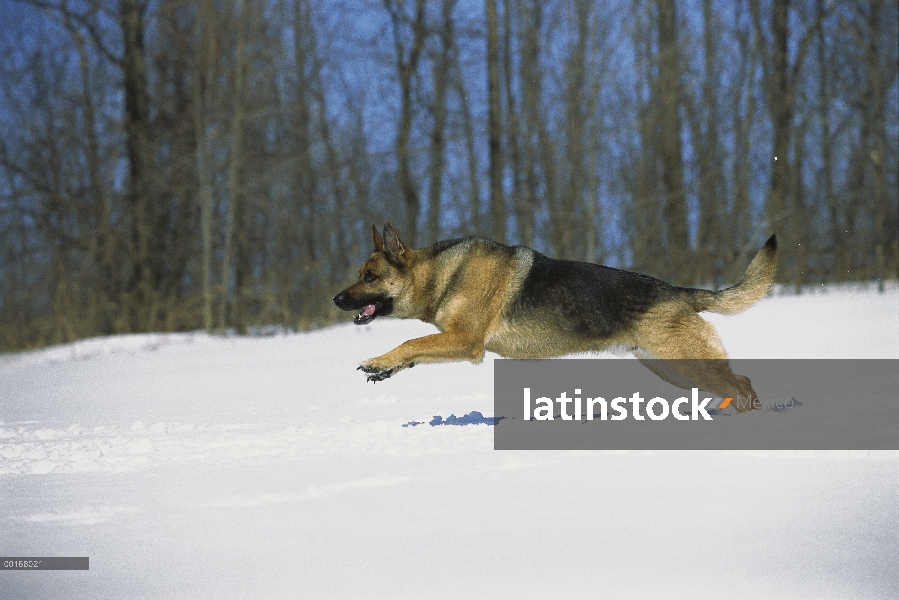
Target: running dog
516	302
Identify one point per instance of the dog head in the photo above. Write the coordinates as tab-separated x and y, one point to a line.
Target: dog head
384	279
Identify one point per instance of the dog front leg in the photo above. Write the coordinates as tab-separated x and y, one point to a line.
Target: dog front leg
439	347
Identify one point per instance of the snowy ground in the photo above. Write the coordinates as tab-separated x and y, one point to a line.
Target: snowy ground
190	466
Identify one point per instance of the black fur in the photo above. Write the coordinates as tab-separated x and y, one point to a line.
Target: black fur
439	247
589	300
383	306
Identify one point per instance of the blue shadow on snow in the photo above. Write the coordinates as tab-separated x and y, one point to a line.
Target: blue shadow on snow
472	418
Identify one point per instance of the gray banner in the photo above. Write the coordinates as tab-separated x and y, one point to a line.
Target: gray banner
620	404
44	563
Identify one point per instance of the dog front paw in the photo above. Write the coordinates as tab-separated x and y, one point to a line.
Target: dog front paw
376	374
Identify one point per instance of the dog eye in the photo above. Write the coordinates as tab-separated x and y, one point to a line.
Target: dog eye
369	277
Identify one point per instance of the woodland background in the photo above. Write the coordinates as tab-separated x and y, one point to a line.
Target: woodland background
172	164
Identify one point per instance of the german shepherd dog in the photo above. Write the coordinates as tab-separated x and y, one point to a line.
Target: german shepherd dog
516	302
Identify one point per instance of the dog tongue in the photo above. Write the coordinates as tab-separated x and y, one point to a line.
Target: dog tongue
368	310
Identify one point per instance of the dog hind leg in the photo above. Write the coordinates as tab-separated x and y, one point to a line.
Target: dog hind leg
687	352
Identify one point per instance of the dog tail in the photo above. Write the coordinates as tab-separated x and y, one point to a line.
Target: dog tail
755	283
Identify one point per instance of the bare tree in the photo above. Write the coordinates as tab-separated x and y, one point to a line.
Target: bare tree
533	130
780	79
523	215
142	293
175	165
667	93
567	216
871	28
407	56
494	127
202	92
441	65
471	217
240	16
703	112
743	115
645	216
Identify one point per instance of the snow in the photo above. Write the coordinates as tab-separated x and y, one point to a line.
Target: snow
198	466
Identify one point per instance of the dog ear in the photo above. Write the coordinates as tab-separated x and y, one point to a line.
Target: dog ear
376	237
394	247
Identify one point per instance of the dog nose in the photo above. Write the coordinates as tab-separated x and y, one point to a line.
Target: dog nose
338	298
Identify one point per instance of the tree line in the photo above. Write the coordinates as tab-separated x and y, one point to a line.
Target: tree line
215	164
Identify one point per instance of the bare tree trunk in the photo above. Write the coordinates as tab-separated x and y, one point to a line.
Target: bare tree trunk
548	166
140	300
306	172
523	215
338	259
567	234
242	267
870	150
406	65
101	244
880	67
474	203
537	146
781	105
668	96
779	80
703	116
241	14
825	98
644	234
438	133
529	13
494	128
598	62
741	243
799	218
202	81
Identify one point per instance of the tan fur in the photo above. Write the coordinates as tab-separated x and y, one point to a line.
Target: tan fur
752	288
484	276
681	347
